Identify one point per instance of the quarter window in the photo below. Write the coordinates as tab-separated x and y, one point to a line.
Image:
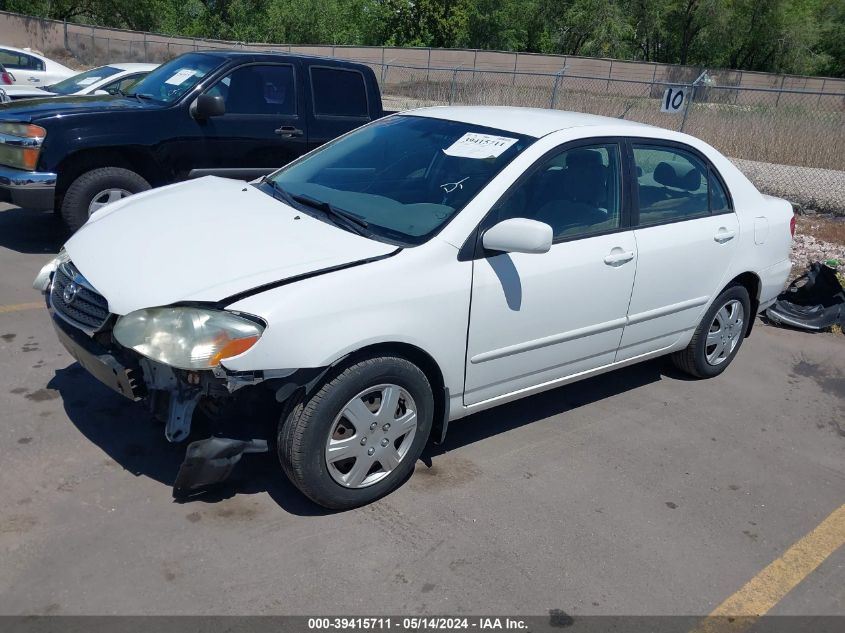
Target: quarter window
339	92
719	202
577	192
672	183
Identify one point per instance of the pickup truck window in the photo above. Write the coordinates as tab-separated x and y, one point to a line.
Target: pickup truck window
404	176
170	81
258	89
339	92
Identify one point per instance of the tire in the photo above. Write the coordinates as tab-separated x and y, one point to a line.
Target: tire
83	191
700	358
319	423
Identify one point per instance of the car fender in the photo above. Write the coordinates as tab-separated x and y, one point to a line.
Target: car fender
420	297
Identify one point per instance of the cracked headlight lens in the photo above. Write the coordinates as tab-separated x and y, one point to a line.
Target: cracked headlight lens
186	337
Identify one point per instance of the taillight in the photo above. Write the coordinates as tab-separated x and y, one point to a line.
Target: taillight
6	78
792	226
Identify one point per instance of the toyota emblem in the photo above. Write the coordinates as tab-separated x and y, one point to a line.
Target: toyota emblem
70	292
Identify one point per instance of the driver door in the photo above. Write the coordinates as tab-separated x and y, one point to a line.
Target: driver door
539	318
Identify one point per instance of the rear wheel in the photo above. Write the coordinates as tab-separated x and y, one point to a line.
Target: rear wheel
357	437
95	189
719	335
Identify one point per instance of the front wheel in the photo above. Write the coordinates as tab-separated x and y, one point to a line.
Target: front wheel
719	335
357	437
95	189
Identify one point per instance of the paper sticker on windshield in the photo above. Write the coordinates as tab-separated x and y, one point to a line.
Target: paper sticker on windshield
87	81
180	77
472	145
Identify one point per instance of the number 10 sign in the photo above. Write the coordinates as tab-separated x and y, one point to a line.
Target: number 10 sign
674	99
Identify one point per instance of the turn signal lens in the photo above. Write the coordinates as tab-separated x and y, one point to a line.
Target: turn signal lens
792	226
30	158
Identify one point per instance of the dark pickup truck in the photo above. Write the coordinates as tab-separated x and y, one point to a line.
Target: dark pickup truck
226	113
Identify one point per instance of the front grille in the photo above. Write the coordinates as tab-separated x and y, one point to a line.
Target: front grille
76	301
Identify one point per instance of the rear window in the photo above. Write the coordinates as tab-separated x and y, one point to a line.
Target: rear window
339	92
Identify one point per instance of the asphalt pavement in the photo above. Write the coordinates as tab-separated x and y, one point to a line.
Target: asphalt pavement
637	492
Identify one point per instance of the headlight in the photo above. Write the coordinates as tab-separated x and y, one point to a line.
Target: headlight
185	337
42	279
21	145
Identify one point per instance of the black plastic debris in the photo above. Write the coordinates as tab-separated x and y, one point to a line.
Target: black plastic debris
211	461
815	301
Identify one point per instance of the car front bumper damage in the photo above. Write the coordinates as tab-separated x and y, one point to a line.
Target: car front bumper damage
171	394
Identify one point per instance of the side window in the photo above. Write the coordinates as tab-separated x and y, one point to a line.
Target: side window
719	202
672	184
577	192
20	61
339	92
121	85
258	89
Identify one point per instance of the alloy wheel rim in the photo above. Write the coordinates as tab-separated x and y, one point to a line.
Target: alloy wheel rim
726	330
371	436
106	196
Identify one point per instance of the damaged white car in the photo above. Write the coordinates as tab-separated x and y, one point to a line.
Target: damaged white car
429	265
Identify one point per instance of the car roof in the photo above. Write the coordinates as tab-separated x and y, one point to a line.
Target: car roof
534	122
26	51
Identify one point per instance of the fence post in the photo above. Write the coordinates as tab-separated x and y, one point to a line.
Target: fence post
782	79
108	48
821	91
558	76
515	62
384	70
146	57
689	105
67	48
452	88
609	73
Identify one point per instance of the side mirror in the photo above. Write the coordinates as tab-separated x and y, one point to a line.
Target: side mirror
207	106
102	92
518	235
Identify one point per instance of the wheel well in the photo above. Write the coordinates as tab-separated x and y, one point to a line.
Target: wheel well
751	282
135	159
425	362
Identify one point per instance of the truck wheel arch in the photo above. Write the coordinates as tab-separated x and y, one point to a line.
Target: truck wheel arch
138	160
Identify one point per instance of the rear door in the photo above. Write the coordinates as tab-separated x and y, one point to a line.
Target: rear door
686	231
338	100
263	126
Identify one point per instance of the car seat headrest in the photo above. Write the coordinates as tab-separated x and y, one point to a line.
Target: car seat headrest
678	176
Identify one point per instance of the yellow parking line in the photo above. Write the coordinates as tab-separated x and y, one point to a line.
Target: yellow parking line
17	307
767	588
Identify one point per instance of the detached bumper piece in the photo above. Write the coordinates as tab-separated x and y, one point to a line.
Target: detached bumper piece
815	301
211	461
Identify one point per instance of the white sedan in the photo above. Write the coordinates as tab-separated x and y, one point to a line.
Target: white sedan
112	79
31	68
429	265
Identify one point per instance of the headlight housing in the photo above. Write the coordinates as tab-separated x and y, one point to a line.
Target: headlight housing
42	279
187	337
21	144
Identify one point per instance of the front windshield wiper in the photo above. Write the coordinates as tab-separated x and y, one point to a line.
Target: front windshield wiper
278	192
350	220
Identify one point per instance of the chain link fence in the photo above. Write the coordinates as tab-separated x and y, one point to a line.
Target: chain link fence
788	140
790	143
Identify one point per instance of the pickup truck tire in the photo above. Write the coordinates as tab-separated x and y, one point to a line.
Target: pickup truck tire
82	191
719	335
345	417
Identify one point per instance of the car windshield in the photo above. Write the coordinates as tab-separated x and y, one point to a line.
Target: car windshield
83	80
170	81
404	176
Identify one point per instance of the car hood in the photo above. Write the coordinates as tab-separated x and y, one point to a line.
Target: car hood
205	240
29	110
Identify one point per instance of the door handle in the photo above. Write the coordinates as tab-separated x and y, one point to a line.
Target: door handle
34	79
288	131
618	257
724	235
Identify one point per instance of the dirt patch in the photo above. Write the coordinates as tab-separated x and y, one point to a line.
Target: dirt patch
42	395
446	471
